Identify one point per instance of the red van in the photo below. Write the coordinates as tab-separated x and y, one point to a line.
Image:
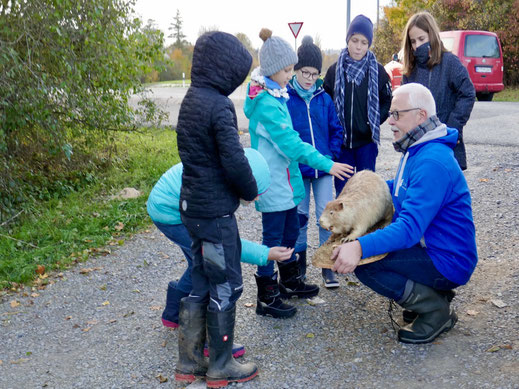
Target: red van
480	52
394	70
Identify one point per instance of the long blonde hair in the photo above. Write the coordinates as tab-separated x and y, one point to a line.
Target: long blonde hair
424	21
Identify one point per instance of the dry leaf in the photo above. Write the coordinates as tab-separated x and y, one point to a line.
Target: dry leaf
1	362
106	303
40	269
14	304
68	318
506	346
18	361
156	308
119	226
483	180
499	303
35	294
249	305
128	314
86	329
92	322
161	378
164	343
112	321
472	312
315	301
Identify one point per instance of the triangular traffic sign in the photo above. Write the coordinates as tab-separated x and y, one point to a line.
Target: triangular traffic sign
295	27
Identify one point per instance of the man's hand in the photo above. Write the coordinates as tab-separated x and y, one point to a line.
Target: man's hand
347	257
341	170
280	253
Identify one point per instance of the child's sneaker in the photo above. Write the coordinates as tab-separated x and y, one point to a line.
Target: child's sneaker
330	279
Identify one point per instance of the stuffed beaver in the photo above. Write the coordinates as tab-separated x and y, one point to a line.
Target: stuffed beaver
364	205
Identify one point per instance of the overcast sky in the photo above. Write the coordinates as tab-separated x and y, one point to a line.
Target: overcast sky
326	19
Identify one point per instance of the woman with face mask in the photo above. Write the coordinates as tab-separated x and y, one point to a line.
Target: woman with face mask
427	62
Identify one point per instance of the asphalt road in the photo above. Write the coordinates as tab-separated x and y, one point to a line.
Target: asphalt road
492	123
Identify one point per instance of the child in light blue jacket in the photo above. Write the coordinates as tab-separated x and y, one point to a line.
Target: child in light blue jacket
272	134
163	209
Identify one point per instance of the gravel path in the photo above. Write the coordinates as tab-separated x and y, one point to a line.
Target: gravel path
100	327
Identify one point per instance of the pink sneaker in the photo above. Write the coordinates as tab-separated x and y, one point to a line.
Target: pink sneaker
237	350
169	324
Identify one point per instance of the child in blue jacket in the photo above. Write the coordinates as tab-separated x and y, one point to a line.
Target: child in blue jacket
315	119
272	134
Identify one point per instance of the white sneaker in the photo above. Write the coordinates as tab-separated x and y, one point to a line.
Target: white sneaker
330	279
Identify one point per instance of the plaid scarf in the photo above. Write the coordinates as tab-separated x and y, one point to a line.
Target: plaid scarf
349	70
416	133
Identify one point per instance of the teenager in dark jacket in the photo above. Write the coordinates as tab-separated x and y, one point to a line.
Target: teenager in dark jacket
361	91
315	119
216	176
427	62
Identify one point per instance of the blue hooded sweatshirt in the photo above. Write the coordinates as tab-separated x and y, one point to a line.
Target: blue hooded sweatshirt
432	207
163	202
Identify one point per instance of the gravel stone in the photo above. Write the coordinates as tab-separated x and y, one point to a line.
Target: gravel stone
102	329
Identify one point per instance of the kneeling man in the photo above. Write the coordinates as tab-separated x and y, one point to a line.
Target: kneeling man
431	240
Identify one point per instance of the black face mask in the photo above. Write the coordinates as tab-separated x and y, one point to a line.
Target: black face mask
422	53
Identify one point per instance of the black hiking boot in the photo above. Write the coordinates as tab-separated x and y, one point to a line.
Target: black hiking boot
291	282
301	260
269	302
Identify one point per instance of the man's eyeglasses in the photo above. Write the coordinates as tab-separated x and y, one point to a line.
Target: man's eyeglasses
310	76
396	114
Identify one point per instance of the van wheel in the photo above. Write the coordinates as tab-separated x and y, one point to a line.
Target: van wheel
484	96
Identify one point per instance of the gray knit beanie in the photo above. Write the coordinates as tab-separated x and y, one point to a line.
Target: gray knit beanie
275	53
309	55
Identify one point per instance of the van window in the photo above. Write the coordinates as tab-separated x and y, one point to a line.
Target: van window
481	46
448	43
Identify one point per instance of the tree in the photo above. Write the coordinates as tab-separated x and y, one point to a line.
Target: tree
67	71
244	39
489	15
177	34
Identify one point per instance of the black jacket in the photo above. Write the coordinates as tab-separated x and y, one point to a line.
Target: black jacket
216	172
361	134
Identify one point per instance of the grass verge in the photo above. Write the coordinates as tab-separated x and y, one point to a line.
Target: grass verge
57	233
508	94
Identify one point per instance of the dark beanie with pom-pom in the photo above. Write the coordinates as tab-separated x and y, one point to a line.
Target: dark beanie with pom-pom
309	55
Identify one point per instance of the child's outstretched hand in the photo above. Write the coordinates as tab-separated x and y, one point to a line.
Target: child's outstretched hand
280	253
341	170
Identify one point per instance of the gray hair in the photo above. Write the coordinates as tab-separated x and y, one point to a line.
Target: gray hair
418	96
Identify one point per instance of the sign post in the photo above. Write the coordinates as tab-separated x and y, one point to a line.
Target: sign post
295	27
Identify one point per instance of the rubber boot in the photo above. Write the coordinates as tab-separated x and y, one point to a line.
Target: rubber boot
170	313
269	301
223	368
434	315
191	338
291	282
301	260
409	316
